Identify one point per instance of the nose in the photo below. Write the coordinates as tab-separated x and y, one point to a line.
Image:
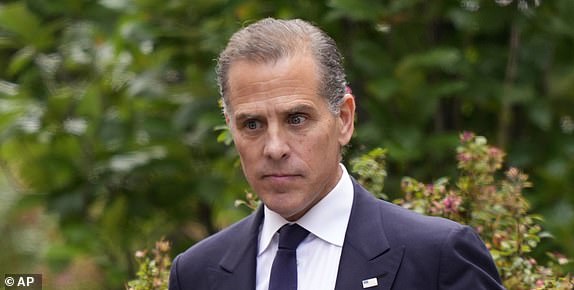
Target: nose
276	144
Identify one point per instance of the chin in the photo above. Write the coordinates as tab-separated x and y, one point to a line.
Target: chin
282	207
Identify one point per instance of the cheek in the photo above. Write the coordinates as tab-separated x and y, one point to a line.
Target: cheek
248	153
318	148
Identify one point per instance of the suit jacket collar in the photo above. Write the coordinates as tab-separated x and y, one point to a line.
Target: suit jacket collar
366	252
237	268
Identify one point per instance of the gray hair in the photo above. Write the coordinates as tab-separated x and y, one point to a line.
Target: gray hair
269	40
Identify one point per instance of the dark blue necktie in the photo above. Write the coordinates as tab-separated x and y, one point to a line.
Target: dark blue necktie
284	269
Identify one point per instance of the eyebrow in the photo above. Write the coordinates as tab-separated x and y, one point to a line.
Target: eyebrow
300	108
245	116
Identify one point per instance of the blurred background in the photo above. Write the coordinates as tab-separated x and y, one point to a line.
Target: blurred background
111	135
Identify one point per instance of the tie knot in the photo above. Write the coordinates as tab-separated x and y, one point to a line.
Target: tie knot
290	236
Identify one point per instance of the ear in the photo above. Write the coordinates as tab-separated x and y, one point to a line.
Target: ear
346	119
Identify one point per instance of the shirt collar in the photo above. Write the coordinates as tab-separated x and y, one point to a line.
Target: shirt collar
326	220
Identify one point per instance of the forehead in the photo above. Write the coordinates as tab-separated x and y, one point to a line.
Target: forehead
286	78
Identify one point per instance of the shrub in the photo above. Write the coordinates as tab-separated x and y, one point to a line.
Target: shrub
153	268
494	205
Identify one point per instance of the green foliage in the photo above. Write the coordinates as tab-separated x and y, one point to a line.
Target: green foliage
495	206
371	172
153	270
251	201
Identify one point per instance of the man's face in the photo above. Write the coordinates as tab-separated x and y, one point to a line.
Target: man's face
288	140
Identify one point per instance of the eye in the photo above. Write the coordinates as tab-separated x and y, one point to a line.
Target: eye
296	119
252	124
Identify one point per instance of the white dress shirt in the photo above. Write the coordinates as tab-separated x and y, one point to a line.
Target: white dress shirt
319	254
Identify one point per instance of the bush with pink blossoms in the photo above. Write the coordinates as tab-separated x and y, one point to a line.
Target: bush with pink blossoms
494	205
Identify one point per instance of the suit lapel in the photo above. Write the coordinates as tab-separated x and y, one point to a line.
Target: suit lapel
237	268
367	255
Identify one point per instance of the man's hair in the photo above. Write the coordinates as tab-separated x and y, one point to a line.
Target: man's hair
269	40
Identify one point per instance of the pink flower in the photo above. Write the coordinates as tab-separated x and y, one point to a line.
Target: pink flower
429	188
436	208
140	254
464	157
451	203
561	259
493	151
466	136
479	229
513	173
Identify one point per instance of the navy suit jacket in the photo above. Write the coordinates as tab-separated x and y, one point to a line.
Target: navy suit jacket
400	248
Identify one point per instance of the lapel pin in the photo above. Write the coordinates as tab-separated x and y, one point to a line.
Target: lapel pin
370	283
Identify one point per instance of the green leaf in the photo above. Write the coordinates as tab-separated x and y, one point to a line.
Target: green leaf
21	59
356	9
540	114
443	59
518	94
16	18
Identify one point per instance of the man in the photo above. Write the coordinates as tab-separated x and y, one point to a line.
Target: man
286	104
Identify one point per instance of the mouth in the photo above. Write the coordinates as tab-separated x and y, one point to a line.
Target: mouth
281	183
280	176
